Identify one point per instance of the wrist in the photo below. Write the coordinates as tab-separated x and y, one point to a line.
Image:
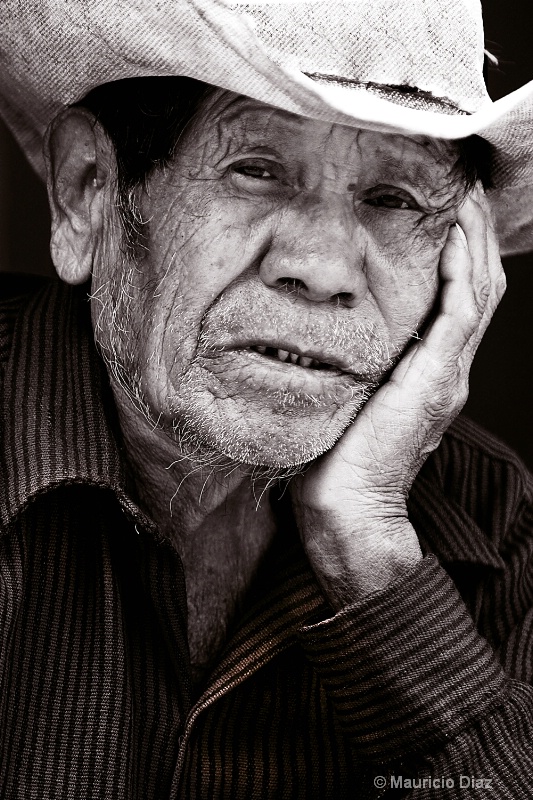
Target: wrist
355	558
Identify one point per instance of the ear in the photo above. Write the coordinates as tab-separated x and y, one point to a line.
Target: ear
80	160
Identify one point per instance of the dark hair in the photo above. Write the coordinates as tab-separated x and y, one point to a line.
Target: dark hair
475	157
146	117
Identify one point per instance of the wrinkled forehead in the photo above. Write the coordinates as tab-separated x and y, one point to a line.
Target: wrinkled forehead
237	123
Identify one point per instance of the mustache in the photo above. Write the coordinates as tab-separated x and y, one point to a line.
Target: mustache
247	314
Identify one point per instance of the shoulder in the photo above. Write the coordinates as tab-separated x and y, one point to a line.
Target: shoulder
16	287
482	474
15	292
471	448
466	433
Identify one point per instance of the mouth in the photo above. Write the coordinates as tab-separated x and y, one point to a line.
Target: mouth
286	357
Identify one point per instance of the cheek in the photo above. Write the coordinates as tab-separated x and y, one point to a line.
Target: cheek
211	239
403	276
197	250
406	231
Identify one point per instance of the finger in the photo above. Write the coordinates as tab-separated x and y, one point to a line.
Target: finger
470	271
493	250
460	311
458	315
488	278
473	222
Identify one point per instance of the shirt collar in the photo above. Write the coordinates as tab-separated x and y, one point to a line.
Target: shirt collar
59	423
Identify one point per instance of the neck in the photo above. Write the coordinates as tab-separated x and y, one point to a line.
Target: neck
215	520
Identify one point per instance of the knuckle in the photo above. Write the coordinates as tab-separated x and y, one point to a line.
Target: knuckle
461	394
500	286
455	401
482	294
470	316
453	391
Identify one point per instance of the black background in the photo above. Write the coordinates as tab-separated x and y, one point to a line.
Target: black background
501	396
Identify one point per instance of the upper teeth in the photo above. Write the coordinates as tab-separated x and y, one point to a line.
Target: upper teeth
285	355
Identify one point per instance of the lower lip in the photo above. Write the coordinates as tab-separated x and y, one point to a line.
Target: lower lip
289	364
272	361
278	372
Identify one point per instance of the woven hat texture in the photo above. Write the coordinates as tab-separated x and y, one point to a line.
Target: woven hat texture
409	66
321	38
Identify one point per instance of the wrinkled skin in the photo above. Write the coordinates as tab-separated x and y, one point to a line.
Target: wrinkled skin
270	230
278	231
366	477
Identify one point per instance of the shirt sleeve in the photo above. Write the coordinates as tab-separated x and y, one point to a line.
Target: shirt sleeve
421	695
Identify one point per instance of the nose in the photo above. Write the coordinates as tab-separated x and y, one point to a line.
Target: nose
317	248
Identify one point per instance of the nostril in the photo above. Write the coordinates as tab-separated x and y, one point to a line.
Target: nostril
343	298
313	293
291	284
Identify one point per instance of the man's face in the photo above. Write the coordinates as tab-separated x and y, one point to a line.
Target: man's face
289	262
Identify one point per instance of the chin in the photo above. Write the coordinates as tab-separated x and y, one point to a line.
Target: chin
285	440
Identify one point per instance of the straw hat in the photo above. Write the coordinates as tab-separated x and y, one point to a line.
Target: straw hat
409	66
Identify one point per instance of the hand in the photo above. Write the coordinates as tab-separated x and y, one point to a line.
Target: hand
351	504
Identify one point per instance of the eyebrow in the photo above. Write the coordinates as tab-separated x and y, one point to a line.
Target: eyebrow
243	106
398	166
262	149
418	169
252	118
415	170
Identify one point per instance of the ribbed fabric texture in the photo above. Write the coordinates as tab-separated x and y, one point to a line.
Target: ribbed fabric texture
426	679
441	656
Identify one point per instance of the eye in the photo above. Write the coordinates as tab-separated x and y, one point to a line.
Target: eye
388	201
259	177
256	170
391	198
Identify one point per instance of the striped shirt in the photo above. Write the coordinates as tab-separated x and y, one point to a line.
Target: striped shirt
415	690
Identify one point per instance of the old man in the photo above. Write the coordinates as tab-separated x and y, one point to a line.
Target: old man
244	551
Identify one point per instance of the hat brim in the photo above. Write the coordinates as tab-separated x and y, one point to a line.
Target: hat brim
50	59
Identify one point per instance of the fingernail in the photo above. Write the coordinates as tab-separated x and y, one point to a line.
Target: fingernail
461	233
